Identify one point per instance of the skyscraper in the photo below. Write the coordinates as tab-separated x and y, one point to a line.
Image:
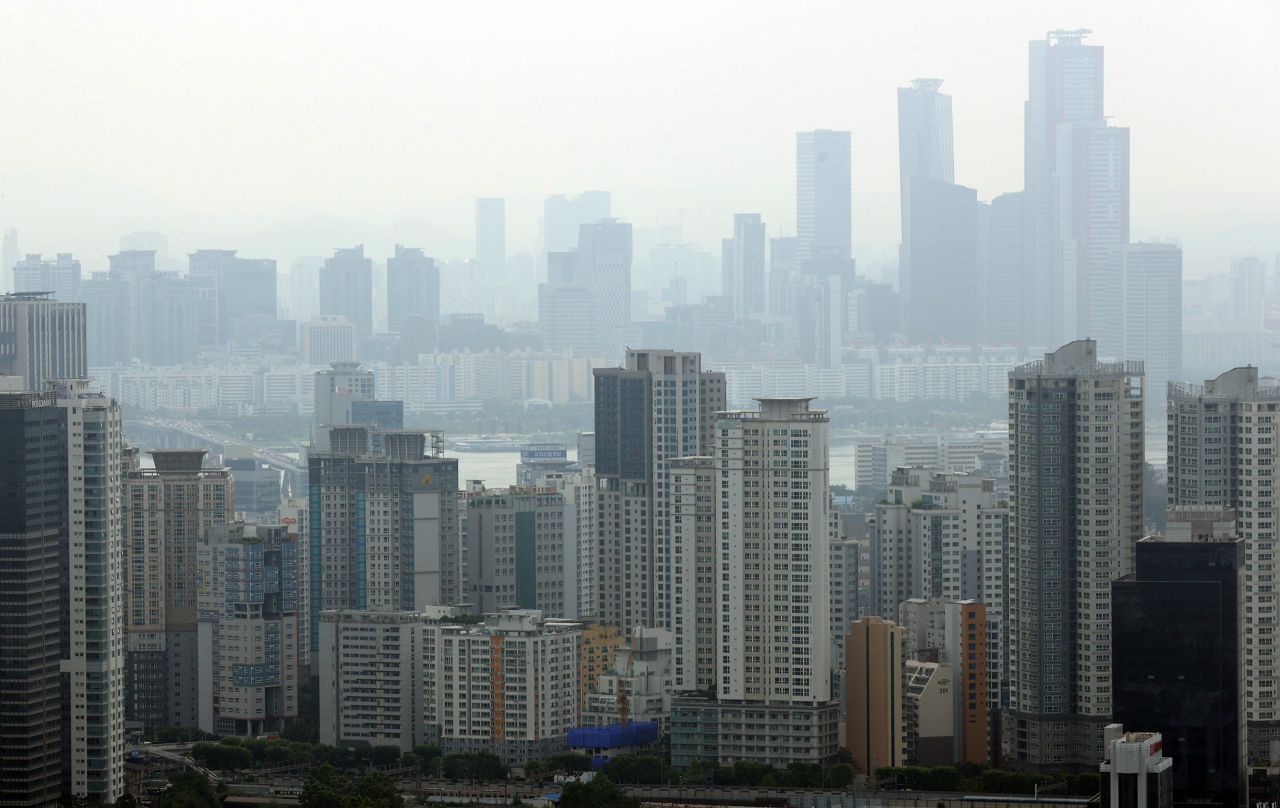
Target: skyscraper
491	238
166	509
563	217
413	287
604	261
92	608
106	302
41	339
517	553
33	499
1151	309
566	307
1076	197
938	269
1177	645
1076	511
744	266
658	408
1005	315
1248	293
160	315
783	265
9	256
1217	459
346	288
824	185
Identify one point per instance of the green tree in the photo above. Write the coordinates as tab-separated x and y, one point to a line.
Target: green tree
569	762
750	773
299	730
488	766
411	761
600	792
384	754
840	775
222	756
636	769
375	790
189	790
533	769
325	788
456	766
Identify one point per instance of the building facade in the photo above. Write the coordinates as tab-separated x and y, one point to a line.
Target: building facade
516	551
1076	474
42	339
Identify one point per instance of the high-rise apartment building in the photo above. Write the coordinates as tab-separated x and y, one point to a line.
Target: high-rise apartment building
566	306
517	552
743	266
161	310
1176	638
384	527
1003	275
346	288
1151	309
60	276
106	302
658	408
1076	477
413	287
237	296
824	186
491	237
1093	216
1222	455
338	388
249	631
579	491
324	340
1248	293
844	592
166	510
92	608
41	339
783	266
33	502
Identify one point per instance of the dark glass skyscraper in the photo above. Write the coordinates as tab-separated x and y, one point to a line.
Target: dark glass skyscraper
1176	651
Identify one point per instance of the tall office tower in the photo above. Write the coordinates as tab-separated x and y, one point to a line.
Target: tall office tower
413	287
346	288
41	339
566	307
578	487
1151	309
1003	275
249	628
166	510
491	237
743	266
658	408
149	241
874	655
1217	459
1064	93
563	217
33	500
60	276
1093	216
9	256
1176	638
1248	293
92	575
604	259
942	536
824	186
1069	498
775	528
783	265
325	340
304	287
516	551
106	302
938	266
237	296
384	523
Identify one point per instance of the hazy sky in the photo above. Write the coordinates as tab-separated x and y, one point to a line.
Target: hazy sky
362	109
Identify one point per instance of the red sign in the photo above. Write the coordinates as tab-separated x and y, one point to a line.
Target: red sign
289	520
1155	746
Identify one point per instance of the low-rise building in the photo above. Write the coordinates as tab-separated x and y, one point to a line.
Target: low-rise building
1135	773
726	731
644	670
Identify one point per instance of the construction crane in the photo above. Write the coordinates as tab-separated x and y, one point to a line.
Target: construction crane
624	706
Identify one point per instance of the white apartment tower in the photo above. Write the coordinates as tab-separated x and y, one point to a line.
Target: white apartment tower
1222	454
578	488
1076	471
516	551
